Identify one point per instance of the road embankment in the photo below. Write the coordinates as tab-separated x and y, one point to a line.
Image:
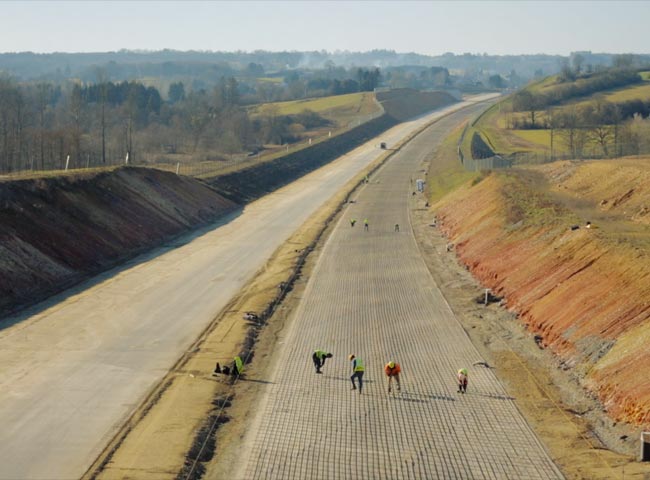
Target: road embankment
582	291
255	181
57	231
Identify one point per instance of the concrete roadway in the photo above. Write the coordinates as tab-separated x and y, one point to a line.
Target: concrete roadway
371	294
73	369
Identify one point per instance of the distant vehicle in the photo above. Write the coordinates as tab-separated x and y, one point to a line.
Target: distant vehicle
382	145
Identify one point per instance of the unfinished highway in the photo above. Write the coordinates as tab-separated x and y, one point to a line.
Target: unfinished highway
74	368
371	295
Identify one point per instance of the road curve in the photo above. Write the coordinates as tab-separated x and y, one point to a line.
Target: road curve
371	294
74	368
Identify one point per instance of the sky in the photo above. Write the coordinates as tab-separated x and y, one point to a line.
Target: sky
426	27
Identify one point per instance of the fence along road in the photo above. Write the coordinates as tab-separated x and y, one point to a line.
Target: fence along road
74	368
371	294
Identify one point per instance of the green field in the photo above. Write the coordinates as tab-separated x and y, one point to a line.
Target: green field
538	137
269	80
638	91
351	101
494	124
545	84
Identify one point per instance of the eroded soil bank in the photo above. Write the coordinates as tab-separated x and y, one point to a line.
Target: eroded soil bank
59	230
584	292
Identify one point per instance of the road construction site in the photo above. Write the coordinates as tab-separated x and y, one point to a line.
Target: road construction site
371	294
75	367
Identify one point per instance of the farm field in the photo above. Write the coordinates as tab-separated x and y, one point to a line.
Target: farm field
496	124
338	108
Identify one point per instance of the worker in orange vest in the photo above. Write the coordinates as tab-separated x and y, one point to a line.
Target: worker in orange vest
392	370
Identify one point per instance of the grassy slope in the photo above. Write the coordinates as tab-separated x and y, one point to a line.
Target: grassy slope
493	124
58	230
338	108
445	171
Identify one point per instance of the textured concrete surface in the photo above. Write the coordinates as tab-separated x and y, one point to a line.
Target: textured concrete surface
371	294
74	368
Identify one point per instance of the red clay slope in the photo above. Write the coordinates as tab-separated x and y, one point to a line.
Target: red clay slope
58	230
586	295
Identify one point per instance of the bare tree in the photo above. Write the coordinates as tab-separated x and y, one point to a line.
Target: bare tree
76	107
569	126
42	98
102	81
527	101
578	61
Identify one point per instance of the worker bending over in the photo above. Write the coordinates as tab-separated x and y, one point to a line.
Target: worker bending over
393	370
319	358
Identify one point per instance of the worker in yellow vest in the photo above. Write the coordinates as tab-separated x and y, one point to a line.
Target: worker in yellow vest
358	370
237	367
319	357
236	370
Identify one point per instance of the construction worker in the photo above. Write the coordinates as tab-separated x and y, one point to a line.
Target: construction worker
237	367
462	380
353	221
319	358
393	370
357	371
397	227
365	224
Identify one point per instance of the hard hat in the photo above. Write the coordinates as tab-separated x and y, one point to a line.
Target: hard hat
391	364
351	356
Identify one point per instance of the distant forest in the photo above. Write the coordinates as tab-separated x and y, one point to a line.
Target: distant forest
99	123
129	65
99	107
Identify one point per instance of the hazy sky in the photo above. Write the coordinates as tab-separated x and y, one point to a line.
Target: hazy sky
425	27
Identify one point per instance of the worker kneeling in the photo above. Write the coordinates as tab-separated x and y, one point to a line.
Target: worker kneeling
393	370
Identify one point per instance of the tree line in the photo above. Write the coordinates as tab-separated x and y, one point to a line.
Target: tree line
45	126
533	102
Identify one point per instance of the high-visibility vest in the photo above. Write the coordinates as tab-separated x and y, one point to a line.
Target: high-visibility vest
392	371
358	365
462	371
239	365
320	354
